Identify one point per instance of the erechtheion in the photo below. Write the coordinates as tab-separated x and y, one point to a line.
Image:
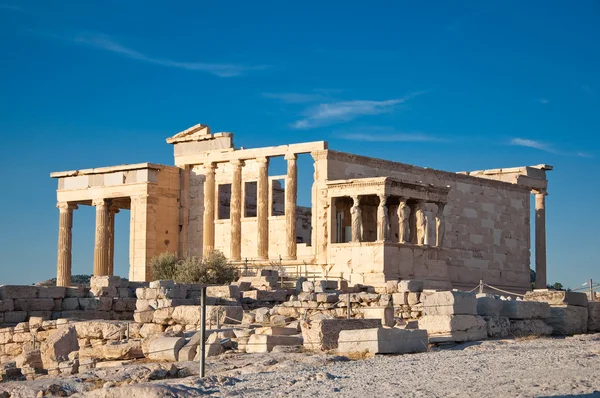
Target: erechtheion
371	220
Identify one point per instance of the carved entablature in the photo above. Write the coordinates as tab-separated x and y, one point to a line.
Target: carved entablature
388	186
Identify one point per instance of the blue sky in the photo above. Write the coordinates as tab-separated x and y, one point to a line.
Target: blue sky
455	86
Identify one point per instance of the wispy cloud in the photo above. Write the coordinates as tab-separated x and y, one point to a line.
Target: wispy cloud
588	90
106	43
11	7
386	134
544	101
344	111
295	98
543	146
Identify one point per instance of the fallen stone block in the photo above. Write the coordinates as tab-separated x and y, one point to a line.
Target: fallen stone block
231	315
594	316
276	331
410	285
557	297
187	314
383	341
32	358
210	350
386	315
18	292
59	345
229	291
322	335
450	303
266	295
322	286
568	320
308	287
265	343
529	327
497	326
518	309
442	328
488	305
165	348
130	349
151	329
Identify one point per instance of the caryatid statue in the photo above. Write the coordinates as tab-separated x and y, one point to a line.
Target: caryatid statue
357	227
440	225
383	223
421	222
403	222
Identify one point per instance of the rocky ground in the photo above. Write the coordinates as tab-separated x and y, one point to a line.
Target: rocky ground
506	368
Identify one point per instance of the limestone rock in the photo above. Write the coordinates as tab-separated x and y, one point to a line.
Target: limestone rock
594	316
385	315
560	297
441	328
322	335
18	292
264	343
229	291
59	345
32	358
450	303
165	348
568	320
383	341
517	309
529	327
497	326
410	285
489	306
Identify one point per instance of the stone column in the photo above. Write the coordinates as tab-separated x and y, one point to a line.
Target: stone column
102	239
65	243
421	223
540	239
291	196
262	208
208	232
112	211
383	223
236	211
356	214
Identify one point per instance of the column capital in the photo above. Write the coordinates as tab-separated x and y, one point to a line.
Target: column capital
100	202
66	206
382	198
262	160
210	167
114	209
237	162
540	192
291	156
355	200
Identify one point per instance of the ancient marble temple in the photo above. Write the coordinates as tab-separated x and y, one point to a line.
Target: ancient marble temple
371	220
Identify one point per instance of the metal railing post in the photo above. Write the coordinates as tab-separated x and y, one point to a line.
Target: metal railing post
202	330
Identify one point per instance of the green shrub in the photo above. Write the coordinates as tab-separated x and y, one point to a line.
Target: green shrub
213	270
164	266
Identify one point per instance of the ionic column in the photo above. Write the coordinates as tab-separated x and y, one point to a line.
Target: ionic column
440	225
65	243
540	239
383	223
208	233
112	211
356	214
291	196
236	211
101	242
262	209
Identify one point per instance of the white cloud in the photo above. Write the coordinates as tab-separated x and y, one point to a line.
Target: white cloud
542	146
106	43
388	136
344	111
294	98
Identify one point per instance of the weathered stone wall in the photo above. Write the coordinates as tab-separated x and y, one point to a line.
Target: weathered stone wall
487	223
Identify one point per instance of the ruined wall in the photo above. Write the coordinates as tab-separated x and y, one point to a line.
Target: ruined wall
487	224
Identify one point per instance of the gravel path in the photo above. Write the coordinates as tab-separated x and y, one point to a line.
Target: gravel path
498	368
502	368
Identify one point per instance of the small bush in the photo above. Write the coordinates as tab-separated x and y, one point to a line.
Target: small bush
214	269
164	266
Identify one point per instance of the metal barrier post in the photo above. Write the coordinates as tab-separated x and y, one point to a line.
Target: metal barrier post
481	286
349	309
591	291
202	329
